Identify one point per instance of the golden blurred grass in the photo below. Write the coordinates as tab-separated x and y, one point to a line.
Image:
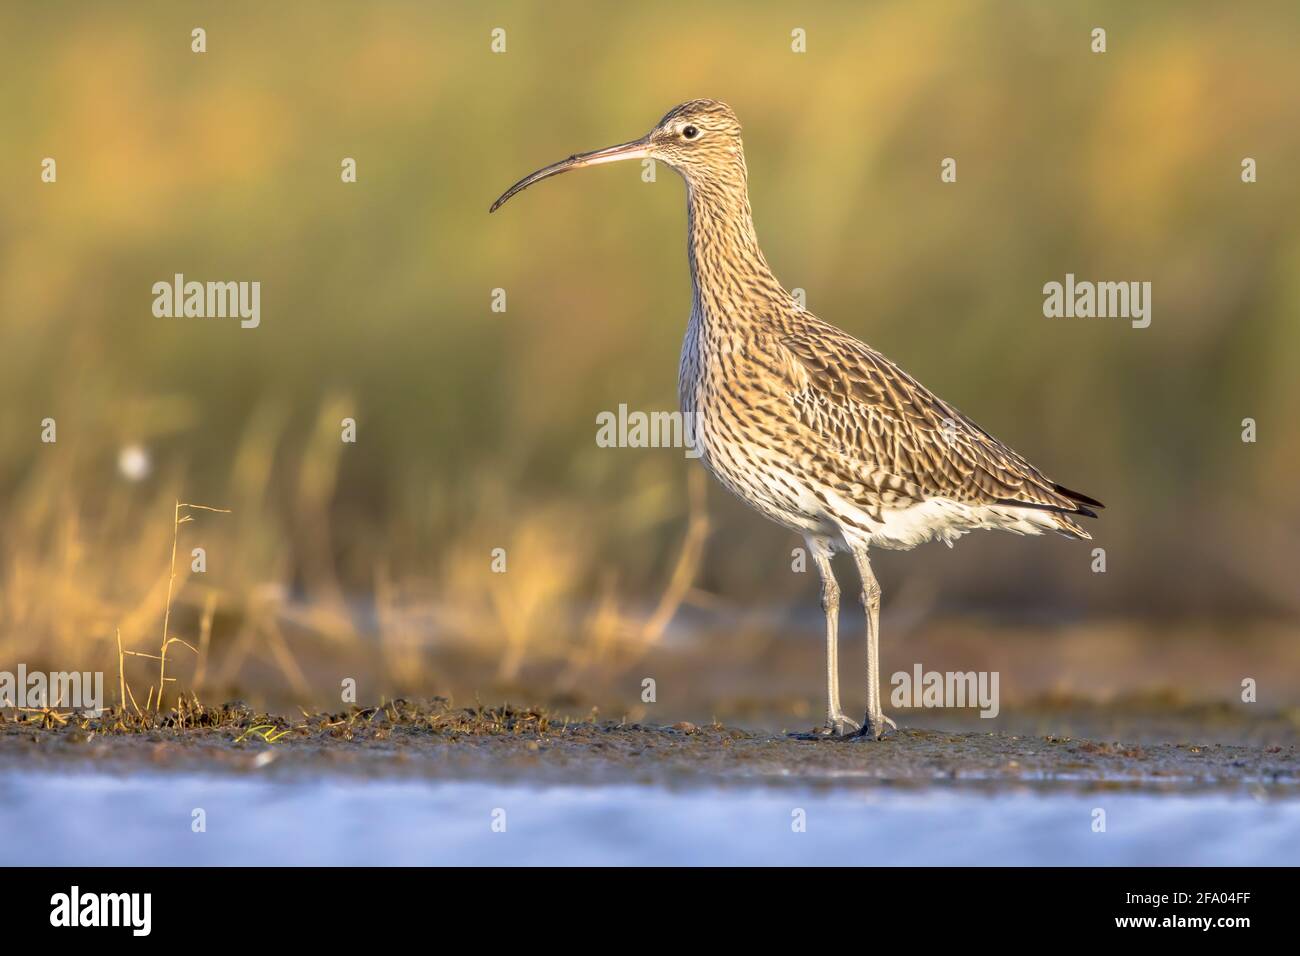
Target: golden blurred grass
86	572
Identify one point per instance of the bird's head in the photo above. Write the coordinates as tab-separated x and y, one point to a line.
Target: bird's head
696	138
700	139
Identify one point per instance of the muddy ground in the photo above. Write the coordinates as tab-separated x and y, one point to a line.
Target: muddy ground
434	739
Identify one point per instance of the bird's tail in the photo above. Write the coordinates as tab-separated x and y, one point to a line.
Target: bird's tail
1079	499
1070	506
1083	505
1066	525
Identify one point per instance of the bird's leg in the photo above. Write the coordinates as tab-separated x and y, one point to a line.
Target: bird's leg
875	722
837	724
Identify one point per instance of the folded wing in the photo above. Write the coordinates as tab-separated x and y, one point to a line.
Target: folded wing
865	411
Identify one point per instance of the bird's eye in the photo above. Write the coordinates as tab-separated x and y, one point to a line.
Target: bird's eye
690	132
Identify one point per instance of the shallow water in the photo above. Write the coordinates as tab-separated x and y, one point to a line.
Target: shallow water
74	818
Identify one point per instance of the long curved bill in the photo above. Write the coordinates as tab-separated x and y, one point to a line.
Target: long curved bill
637	149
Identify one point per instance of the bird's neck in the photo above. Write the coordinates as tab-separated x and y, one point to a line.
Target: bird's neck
728	270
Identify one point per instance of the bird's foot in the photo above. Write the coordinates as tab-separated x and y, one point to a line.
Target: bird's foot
837	727
876	727
841	726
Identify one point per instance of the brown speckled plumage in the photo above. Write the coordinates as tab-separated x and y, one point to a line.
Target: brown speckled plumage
808	425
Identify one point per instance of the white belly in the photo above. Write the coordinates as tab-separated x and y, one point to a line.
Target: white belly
942	519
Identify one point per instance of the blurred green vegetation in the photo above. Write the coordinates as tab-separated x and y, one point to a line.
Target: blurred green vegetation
477	428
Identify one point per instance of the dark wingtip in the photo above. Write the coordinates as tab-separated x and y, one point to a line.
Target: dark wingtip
1077	496
1077	511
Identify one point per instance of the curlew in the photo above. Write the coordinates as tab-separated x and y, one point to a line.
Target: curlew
809	426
